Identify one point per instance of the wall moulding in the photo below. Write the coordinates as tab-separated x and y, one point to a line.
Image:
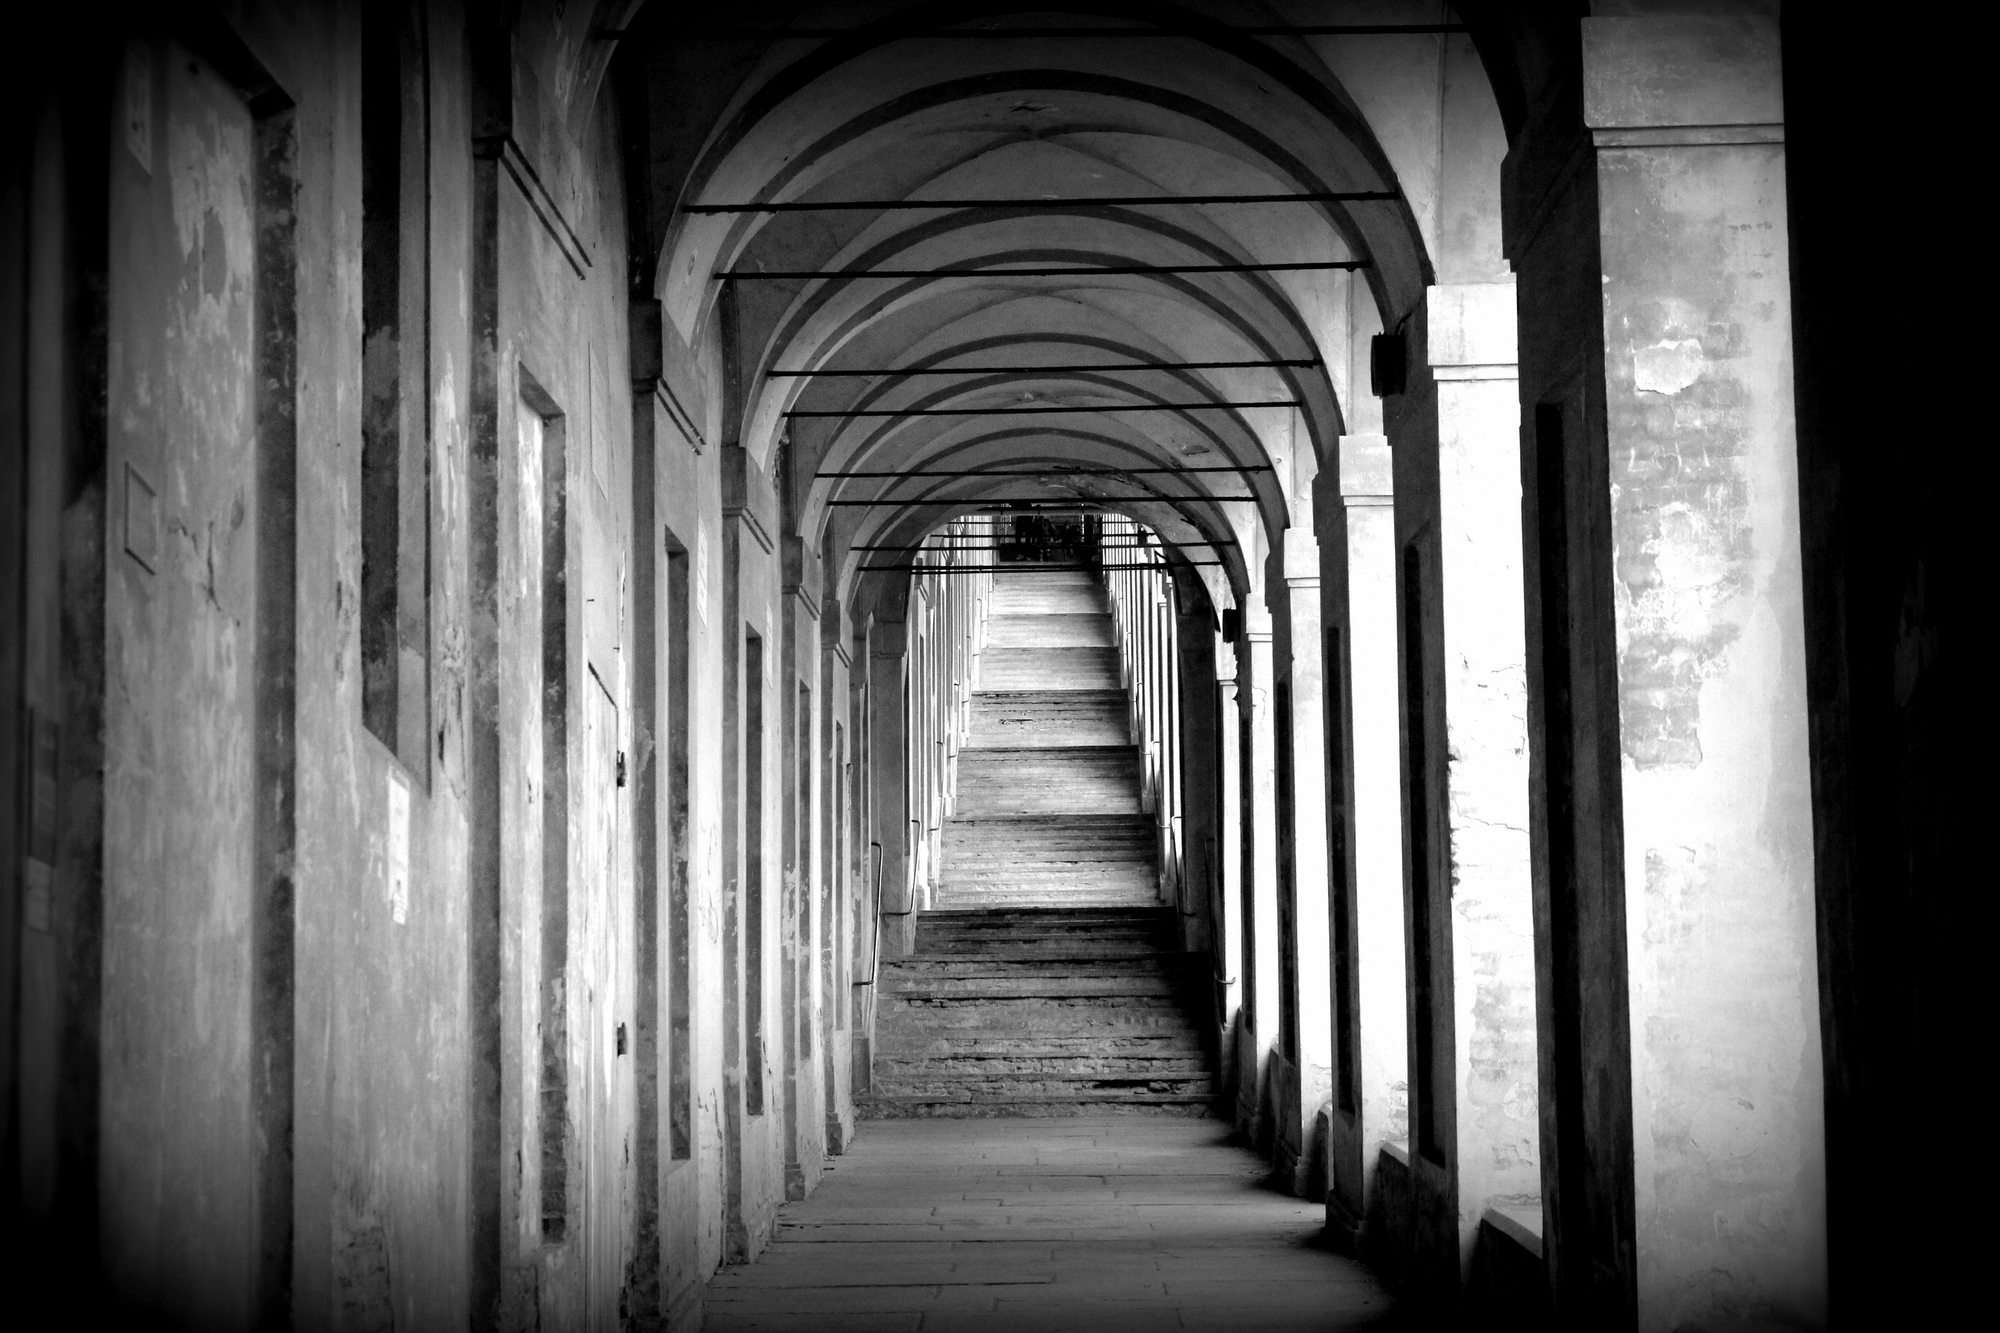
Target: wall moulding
683	420
540	201
747	516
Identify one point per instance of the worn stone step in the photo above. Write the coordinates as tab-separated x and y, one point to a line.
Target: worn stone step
875	1107
1087	921
919	1064
1027	983
996	1016
1051	1088
1049	669
1071	592
1162	1044
1037	927
1056	719
1084	827
1117	896
1096	779
997	966
1061	629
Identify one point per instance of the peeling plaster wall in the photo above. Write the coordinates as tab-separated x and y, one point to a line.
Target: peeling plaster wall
180	711
1647	219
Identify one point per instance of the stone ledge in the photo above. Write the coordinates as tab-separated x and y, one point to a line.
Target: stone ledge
1508	1285
1519	1223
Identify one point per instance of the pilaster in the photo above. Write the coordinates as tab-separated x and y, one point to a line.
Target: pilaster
1259	823
1371	1059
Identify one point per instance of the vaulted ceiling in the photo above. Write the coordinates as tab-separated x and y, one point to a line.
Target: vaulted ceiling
1044	149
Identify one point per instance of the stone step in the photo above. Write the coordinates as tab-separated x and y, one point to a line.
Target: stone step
1031	895
874	1107
976	951
1030	983
1064	629
1177	1044
1046	838
1049	669
997	1017
1002	965
1008	930
1017	719
1094	779
902	1083
1069	593
1052	918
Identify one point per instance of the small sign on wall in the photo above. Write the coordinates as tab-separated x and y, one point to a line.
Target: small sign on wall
398	885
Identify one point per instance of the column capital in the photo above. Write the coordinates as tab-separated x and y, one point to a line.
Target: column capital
1663	80
1367	472
1301	558
1471	333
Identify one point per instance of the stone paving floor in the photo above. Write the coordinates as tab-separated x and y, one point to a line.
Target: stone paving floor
1103	1225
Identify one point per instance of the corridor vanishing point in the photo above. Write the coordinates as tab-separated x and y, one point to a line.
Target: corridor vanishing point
884	665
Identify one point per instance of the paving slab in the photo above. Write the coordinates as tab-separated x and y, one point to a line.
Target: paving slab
1097	1225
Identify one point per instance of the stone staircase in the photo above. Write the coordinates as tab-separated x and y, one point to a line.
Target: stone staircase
1049	981
1040	1012
1047	809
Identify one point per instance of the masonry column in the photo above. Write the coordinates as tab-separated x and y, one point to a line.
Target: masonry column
1312	1080
1682	1078
800	924
1228	909
1200	775
1364	834
1259	822
1470	918
888	754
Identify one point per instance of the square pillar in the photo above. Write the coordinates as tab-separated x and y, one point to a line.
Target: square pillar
1683	1088
1259	892
1364	834
1473	1072
1300	1157
888	755
1228	868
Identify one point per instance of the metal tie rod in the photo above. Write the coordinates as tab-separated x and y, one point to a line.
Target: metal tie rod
1024	567
1051	472
1036	411
1303	363
1070	271
1007	546
921	501
1032	205
992	34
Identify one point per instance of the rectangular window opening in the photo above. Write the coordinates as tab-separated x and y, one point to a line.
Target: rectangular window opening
544	537
395	355
680	1063
1288	907
841	773
753	870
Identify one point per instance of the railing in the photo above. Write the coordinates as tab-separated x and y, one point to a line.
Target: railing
875	949
947	628
1142	609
